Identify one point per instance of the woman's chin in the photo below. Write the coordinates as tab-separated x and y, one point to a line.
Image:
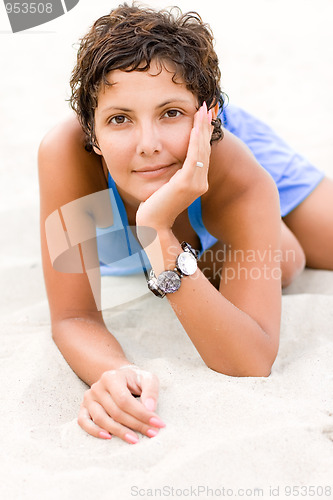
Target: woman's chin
147	192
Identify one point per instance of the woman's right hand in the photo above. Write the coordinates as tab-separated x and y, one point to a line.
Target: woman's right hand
110	407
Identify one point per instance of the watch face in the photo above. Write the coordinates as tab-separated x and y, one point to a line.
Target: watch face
187	263
168	281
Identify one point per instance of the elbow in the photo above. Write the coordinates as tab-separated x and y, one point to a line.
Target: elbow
245	368
262	368
264	371
257	372
59	330
255	359
55	334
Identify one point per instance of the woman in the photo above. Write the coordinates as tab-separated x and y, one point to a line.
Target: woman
146	91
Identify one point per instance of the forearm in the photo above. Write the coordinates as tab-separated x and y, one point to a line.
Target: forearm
228	340
88	347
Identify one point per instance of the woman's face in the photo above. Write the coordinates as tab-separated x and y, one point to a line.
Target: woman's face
142	124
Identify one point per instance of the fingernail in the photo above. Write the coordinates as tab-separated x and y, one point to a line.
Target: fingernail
205	106
150	404
105	435
210	115
131	439
156	422
152	433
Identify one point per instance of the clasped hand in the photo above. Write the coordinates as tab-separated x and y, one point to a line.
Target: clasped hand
110	407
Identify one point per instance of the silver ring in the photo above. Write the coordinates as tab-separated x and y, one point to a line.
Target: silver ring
199	164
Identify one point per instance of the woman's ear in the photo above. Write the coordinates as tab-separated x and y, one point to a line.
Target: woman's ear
94	142
97	150
215	111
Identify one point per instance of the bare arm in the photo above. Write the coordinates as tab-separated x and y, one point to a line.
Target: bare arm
235	329
78	328
68	173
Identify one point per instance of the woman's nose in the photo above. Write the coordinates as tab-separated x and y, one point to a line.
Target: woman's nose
148	139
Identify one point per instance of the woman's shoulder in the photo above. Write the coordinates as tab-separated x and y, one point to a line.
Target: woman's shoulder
65	168
237	184
233	168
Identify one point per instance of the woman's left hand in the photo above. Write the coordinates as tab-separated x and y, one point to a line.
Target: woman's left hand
161	209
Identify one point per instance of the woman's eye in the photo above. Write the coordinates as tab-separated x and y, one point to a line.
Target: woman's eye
118	120
172	113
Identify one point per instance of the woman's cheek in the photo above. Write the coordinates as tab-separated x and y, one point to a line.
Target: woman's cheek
179	140
114	145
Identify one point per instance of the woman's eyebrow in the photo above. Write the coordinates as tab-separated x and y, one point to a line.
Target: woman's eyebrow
109	108
173	100
164	103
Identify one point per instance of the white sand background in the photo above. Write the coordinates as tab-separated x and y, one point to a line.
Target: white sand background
222	432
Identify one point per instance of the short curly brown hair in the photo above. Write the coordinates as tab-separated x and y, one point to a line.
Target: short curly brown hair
129	38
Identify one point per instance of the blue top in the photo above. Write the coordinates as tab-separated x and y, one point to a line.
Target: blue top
119	251
295	177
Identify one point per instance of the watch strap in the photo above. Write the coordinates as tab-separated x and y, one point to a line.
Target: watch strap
169	281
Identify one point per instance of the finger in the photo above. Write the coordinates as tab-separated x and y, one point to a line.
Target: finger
207	127
118	428
199	143
150	388
210	125
119	416
205	137
118	398
210	119
102	420
86	423
193	146
202	161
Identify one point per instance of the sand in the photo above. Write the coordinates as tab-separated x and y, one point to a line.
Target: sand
223	434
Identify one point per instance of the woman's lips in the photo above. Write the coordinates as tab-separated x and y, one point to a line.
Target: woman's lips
153	171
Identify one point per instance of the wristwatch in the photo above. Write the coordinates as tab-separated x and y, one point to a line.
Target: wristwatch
170	281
